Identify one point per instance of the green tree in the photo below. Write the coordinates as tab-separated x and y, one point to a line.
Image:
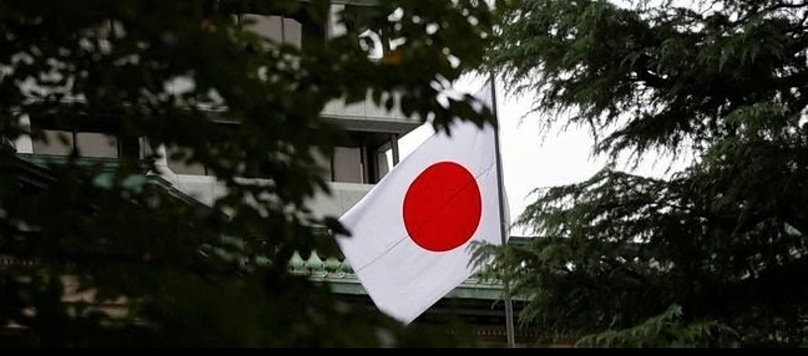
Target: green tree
713	256
163	270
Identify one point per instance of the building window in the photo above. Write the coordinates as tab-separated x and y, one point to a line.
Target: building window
292	28
359	164
363	158
86	144
346	165
382	163
278	29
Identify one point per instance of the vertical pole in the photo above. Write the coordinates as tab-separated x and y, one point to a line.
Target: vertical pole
502	218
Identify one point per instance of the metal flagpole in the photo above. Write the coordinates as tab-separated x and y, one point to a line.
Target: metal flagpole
503	227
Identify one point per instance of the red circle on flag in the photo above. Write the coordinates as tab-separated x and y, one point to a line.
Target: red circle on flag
442	207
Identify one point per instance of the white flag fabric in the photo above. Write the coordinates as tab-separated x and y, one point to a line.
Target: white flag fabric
410	235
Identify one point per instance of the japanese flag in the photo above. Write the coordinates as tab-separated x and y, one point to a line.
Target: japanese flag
410	235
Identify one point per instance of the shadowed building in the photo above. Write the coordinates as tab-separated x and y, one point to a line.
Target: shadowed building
369	151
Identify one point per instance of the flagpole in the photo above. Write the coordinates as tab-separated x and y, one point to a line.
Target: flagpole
502	218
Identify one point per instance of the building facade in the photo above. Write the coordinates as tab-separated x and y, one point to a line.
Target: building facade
370	150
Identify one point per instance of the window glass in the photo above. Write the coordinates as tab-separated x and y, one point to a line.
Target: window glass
89	144
56	143
347	165
92	144
382	164
278	29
